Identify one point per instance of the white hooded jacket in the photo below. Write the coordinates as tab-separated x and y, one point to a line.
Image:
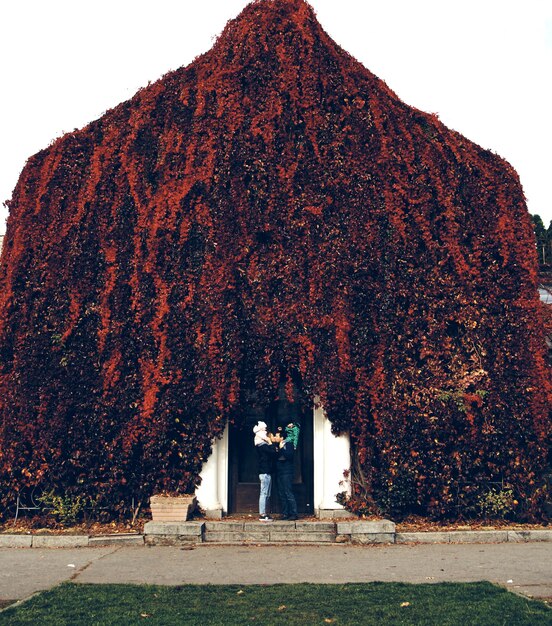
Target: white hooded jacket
260	434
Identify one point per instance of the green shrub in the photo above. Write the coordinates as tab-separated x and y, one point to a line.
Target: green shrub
67	509
497	503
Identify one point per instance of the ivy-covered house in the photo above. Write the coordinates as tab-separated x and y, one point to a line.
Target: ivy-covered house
270	232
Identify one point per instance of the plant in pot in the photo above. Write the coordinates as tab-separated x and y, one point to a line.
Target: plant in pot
173	503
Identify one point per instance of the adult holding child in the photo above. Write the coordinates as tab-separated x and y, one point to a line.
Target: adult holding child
266	454
285	470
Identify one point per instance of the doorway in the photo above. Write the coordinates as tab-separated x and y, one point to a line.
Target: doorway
243	471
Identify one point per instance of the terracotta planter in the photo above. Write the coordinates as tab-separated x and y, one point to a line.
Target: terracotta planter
172	508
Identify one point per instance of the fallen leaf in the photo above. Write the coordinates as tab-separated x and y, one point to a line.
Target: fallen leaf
283	607
405	603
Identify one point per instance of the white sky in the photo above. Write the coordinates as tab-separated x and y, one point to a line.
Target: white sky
484	66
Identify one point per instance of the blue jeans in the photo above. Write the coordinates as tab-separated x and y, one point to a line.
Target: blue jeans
266	488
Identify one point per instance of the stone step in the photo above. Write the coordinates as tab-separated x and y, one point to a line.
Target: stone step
173	533
277	531
306	526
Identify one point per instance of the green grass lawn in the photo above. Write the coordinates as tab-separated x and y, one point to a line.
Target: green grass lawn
473	604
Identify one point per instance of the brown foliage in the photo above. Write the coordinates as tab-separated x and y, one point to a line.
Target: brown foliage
273	209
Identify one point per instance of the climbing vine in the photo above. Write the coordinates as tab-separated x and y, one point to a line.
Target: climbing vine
272	210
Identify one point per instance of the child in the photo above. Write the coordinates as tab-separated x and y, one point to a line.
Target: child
292	434
260	434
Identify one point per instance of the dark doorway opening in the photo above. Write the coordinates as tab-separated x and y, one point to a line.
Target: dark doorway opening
243	470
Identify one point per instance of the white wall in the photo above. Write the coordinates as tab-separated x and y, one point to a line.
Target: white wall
332	457
212	493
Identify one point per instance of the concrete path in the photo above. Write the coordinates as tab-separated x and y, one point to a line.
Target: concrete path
524	568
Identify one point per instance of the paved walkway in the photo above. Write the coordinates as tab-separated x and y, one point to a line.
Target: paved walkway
524	568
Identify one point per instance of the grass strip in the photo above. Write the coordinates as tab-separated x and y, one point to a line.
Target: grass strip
441	604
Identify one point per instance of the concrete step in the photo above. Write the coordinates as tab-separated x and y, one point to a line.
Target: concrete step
270	532
277	531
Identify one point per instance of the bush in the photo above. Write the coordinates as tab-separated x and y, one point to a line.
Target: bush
497	503
67	509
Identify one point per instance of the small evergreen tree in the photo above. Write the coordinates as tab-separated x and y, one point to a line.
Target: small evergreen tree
543	237
548	247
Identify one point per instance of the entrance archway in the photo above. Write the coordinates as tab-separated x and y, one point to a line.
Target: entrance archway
331	458
243	473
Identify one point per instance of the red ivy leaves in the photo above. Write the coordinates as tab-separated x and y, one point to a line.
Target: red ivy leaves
272	209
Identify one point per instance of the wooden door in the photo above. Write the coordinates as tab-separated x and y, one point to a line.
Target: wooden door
243	465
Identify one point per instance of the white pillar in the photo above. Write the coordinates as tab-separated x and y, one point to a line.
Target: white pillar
332	457
212	493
